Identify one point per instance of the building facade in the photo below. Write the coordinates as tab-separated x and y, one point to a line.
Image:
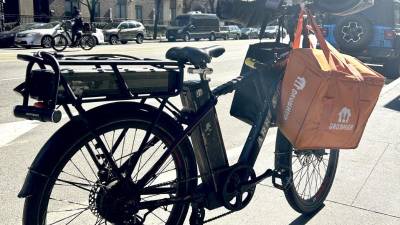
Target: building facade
204	6
22	11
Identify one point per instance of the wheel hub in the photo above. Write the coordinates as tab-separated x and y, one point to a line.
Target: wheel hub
116	202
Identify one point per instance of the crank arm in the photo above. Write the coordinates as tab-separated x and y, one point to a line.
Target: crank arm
251	184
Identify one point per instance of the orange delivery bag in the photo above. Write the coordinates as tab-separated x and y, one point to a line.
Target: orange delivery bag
326	97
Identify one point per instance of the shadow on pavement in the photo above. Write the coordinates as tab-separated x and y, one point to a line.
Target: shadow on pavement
394	104
303	219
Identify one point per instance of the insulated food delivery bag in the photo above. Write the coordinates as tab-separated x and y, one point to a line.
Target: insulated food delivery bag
326	97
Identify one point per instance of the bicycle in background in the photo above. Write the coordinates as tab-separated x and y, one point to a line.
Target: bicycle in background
84	39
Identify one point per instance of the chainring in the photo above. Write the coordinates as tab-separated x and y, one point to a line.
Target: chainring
234	197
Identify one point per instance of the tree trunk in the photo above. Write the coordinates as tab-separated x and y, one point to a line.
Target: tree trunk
91	6
92	10
156	18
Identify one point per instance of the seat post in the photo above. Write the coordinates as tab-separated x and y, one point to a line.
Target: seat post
203	72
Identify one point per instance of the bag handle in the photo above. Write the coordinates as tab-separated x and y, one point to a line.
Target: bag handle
299	30
340	61
332	55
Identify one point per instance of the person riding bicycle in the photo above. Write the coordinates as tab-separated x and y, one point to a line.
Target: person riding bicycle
77	25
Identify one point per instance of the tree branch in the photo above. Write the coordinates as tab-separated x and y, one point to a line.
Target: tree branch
83	3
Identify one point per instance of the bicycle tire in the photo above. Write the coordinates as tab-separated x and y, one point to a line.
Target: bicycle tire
287	158
59	43
69	144
87	42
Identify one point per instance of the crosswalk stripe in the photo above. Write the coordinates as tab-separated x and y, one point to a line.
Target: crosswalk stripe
11	131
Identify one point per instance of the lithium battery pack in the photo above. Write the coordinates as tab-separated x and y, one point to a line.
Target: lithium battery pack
138	79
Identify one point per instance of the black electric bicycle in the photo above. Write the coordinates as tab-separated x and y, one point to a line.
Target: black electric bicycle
146	161
84	39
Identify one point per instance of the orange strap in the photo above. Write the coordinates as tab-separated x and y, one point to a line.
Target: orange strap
299	30
330	52
333	56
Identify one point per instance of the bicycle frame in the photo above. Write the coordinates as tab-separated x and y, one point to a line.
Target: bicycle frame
211	187
67	34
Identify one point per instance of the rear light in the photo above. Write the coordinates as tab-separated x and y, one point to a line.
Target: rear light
390	34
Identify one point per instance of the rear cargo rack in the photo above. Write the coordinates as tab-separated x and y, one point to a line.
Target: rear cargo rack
73	79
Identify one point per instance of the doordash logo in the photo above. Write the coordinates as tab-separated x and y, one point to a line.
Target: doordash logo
343	120
299	85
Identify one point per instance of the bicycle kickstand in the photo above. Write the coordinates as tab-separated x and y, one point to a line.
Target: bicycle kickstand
198	214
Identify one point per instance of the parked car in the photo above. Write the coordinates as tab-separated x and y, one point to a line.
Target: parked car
194	26
372	35
272	32
41	34
231	31
7	37
249	33
124	31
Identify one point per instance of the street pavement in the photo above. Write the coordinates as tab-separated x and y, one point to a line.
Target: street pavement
366	187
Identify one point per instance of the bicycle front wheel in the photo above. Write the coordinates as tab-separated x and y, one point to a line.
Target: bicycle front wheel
87	42
59	43
79	193
309	174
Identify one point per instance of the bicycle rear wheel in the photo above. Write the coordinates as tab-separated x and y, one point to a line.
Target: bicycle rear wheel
78	193
309	174
59	43
87	42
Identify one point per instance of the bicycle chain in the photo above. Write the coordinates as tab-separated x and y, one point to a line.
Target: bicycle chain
218	217
207	175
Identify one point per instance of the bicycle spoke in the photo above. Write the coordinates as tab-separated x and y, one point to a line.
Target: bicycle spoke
87	180
158	217
66	210
158	174
306	180
76	177
151	156
122	150
90	166
118	141
140	163
75	215
67	201
311	179
133	141
75	184
105	139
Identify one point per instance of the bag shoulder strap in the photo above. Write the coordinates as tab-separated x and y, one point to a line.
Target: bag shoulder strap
332	55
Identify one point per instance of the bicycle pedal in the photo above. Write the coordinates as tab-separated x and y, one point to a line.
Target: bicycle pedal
281	174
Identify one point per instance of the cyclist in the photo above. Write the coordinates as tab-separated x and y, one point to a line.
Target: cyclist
77	25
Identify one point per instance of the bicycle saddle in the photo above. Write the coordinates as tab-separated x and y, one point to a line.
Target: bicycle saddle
199	57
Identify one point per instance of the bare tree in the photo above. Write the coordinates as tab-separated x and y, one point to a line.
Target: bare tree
91	5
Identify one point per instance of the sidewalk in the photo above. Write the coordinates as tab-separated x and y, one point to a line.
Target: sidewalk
366	189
